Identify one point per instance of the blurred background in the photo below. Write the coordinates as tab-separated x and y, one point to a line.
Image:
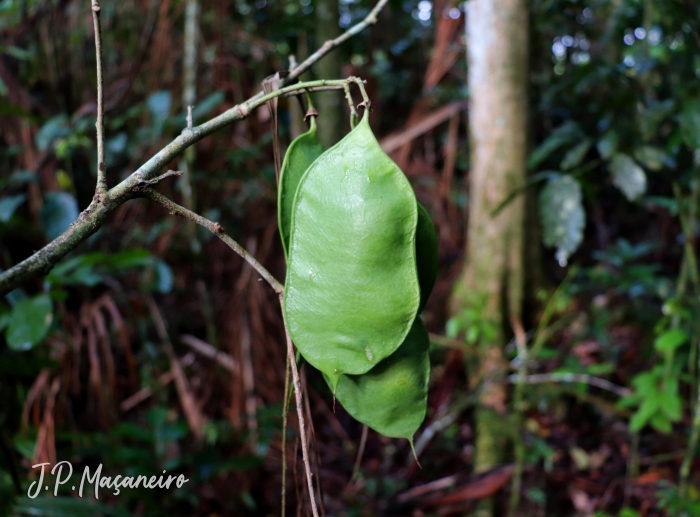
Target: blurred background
564	330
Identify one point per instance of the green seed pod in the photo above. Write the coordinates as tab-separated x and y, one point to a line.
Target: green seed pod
301	153
426	255
352	291
392	397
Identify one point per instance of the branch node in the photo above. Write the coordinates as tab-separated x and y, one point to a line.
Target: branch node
189	117
310	113
366	105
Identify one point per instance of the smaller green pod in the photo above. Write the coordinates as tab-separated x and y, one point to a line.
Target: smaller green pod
426	255
302	152
351	292
392	397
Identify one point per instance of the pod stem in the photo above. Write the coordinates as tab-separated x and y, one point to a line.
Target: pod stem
309	101
366	103
351	104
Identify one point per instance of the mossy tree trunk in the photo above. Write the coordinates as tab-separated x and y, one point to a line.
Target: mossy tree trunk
492	281
331	123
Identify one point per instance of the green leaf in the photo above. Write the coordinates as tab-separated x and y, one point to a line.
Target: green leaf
628	176
607	144
301	153
205	106
472	335
646	383
8	206
651	117
690	124
164	277
576	154
629	512
392	397
5	321
426	255
352	290
670	340
31	319
644	413
651	157
453	327
56	127
661	423
562	216
564	134
671	405
60	210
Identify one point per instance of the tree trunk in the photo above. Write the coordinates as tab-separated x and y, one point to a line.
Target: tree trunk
331	123
492	281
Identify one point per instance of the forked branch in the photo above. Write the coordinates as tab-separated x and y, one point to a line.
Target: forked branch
90	220
217	230
106	201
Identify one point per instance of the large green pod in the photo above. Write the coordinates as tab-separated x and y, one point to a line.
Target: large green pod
426	255
352	291
302	152
392	397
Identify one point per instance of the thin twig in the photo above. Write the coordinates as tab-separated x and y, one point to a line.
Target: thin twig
285	408
360	453
101	188
329	45
583	378
444	419
217	230
351	104
300	412
207	350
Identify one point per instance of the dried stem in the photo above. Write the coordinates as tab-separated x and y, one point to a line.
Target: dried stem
101	188
360	453
285	407
217	230
300	412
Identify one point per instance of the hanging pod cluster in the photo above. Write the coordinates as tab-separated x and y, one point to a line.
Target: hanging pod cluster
361	262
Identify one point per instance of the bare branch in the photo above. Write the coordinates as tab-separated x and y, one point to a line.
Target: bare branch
90	220
582	378
217	230
300	413
329	45
101	188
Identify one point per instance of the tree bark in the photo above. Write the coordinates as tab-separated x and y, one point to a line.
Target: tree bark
492	281
331	126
